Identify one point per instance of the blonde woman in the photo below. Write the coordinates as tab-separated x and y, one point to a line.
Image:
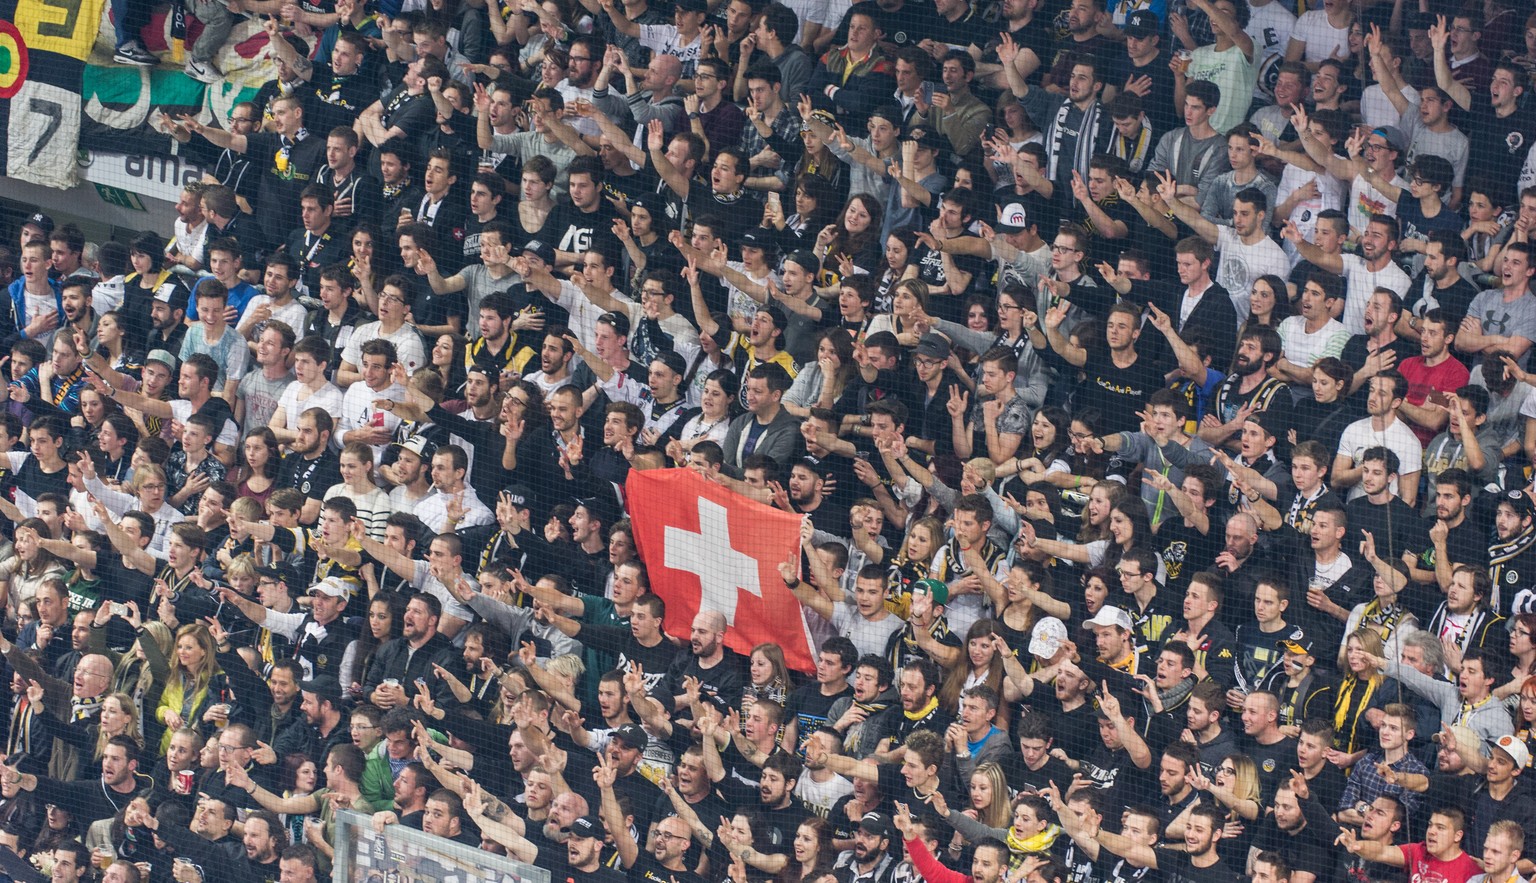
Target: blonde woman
194	683
988	802
142	672
1362	688
373	506
119	716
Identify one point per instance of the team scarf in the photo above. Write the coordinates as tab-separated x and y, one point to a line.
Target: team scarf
1087	131
1035	844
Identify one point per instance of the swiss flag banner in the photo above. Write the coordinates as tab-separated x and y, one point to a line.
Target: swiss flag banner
706	548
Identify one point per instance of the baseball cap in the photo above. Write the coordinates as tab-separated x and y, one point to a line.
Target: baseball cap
1046	638
587	826
1519	502
163	357
876	823
541	250
1395	137
933	346
631	736
1142	23
691	6
924	137
173	294
283	573
331	586
419	445
755	238
601	506
518	495
1014	219
1110	615
616	320
1302	645
1272	423
1513	747
805	258
323	686
40	221
933	588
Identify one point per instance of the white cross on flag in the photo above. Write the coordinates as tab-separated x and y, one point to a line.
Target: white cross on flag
706	548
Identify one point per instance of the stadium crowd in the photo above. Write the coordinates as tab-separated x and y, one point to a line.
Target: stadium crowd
1154	381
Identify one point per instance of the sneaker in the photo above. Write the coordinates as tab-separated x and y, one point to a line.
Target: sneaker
133	52
202	71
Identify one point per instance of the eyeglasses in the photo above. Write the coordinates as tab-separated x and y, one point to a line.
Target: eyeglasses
1008	308
699	76
224	748
576	58
1063	249
361	728
926	362
391	298
1463	29
1369	146
159	486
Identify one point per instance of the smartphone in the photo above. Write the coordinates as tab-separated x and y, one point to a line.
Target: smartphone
119	609
926	90
939	89
421	685
773	200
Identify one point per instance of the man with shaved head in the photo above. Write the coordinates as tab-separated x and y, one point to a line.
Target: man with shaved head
721	672
73	703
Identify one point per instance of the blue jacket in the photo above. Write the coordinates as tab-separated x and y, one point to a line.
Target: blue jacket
19	305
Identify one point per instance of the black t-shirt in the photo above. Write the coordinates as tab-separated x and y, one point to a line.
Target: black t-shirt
1185	552
930	269
1305	850
1498	146
907	26
312	478
1396	527
1422	295
1117	393
737	213
808	707
34	482
1176	867
277	196
332	100
572	230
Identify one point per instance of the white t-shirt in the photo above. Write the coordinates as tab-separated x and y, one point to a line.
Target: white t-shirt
1362	282
1242	264
1330	195
1305	349
327	397
1359	436
407	340
1269	27
1365	201
1323	39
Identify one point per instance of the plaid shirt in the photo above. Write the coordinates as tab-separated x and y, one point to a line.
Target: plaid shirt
1366	784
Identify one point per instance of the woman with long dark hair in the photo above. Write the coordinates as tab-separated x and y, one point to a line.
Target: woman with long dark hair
822	383
852	242
814	207
259	460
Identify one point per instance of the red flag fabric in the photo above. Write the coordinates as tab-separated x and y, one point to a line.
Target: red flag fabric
706	548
